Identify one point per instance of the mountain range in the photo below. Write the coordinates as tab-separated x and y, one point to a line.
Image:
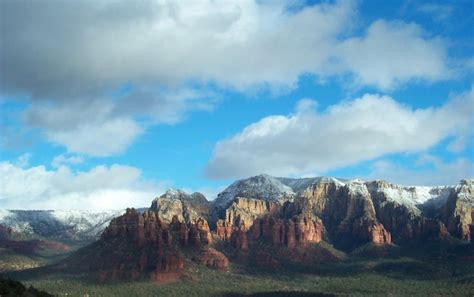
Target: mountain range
262	221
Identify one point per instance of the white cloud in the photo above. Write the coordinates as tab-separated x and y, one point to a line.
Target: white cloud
99	46
60	160
344	134
458	144
89	49
432	172
440	12
107	127
102	187
101	139
392	53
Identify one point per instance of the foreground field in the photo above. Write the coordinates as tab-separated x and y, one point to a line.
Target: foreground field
356	276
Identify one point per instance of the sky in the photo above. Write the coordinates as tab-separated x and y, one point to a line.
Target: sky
106	104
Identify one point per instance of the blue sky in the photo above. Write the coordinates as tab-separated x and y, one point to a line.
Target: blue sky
108	104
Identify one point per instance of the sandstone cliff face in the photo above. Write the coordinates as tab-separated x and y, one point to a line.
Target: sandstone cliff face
243	211
354	211
298	231
458	212
370	231
213	258
403	221
261	228
319	198
241	214
347	211
138	245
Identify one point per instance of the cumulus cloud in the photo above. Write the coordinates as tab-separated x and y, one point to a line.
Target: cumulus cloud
68	58
104	127
65	160
63	49
431	171
392	53
102	187
344	134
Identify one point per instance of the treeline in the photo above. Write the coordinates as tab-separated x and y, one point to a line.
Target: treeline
10	288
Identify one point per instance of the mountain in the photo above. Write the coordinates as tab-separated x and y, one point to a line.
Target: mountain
187	207
355	211
271	223
261	222
262	187
33	238
74	225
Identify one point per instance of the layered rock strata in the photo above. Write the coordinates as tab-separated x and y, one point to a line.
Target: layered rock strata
138	245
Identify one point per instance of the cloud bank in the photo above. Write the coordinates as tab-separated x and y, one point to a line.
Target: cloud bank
344	134
100	188
68	58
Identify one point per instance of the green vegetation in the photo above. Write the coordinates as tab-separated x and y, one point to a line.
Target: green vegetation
13	288
438	270
205	282
11	261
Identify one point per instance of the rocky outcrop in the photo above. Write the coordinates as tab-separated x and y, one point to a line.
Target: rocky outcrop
371	231
224	230
136	245
5	232
347	210
379	235
266	221
186	207
239	240
261	187
213	259
299	230
243	211
240	216
405	222
458	212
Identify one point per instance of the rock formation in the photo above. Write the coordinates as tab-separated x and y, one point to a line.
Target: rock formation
243	211
261	187
138	245
213	259
187	207
265	220
458	212
299	230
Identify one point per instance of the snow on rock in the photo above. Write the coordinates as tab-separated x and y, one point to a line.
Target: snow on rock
358	187
264	187
66	224
299	185
413	196
187	207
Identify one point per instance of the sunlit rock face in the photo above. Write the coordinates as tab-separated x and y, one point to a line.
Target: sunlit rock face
458	212
352	212
283	220
187	207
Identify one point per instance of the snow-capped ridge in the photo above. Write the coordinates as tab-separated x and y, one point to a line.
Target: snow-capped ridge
263	186
74	224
